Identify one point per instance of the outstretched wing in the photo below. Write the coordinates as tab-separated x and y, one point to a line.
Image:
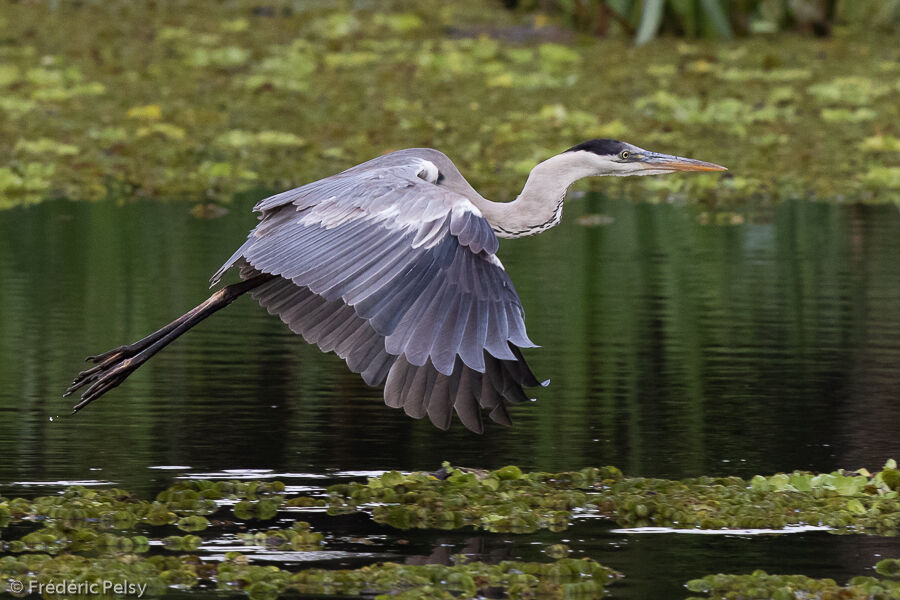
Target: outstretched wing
397	275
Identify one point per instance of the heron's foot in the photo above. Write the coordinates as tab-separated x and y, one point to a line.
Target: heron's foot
102	378
104	361
112	368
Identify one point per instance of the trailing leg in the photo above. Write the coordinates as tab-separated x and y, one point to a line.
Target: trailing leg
115	365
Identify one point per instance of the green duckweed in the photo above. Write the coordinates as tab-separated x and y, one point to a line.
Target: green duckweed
94	534
847	501
856	501
564	578
263	509
185	543
298	537
504	500
108	99
760	585
889	567
114	521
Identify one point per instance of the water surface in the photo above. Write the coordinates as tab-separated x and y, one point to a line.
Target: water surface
674	347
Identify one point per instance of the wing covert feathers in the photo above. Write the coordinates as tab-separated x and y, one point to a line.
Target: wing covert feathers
398	277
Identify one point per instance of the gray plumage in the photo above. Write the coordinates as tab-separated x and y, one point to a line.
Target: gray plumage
397	275
392	266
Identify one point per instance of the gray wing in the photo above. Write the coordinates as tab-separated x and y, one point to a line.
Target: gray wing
398	276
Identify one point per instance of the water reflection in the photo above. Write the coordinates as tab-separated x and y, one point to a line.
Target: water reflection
674	348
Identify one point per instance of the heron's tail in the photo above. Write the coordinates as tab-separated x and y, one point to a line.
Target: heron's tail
115	365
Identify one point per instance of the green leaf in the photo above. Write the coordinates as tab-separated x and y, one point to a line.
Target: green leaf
779	482
801	482
757	484
699	585
46	146
889	567
850	486
9	74
651	19
491	483
717	18
392	478
687	13
508	472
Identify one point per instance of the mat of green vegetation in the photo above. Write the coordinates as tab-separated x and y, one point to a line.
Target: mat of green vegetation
107	534
508	500
154	575
199	101
760	585
91	536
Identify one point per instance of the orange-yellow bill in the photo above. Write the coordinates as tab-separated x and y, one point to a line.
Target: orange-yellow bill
679	163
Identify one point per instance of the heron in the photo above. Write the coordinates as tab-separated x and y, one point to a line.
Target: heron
392	265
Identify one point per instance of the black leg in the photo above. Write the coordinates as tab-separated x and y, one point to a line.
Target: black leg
114	366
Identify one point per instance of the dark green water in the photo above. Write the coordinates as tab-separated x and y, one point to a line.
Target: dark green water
674	349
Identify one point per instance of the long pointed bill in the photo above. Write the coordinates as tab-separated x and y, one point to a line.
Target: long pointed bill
652	160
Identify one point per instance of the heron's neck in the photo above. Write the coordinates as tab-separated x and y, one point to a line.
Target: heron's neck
539	206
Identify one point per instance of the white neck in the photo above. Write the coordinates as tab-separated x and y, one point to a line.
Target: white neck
539	206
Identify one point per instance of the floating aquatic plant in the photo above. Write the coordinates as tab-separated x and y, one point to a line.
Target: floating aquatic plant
849	501
95	534
319	88
298	536
564	578
504	500
154	575
760	585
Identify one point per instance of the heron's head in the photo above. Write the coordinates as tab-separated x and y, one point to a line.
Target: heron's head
612	157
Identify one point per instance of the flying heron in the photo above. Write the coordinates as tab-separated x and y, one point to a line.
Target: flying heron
392	265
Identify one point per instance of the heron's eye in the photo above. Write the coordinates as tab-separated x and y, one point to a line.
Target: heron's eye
624	154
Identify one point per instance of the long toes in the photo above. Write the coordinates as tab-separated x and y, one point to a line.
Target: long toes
102	383
99	387
82	379
96	358
106	362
